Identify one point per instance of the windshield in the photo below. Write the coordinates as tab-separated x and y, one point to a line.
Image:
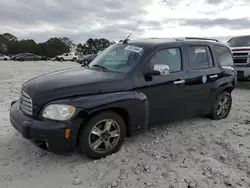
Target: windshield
239	41
118	58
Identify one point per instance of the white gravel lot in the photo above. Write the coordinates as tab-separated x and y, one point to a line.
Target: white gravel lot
192	153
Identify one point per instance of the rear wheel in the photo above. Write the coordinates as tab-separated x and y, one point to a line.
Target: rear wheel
222	106
61	59
5	59
102	135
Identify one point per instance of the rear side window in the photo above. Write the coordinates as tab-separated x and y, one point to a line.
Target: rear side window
200	57
224	55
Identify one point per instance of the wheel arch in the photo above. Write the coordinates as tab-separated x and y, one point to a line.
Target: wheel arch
118	110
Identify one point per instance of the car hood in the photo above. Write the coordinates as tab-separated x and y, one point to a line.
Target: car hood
73	82
243	48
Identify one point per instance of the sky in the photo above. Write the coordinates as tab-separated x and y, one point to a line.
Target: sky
114	19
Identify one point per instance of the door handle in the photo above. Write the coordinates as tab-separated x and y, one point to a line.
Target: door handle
214	76
179	82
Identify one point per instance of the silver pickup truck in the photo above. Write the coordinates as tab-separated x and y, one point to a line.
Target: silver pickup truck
240	47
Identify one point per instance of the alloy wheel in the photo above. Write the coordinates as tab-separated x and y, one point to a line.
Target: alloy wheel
223	107
104	136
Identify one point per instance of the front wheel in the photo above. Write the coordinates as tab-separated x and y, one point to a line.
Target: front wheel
222	106
5	59
102	135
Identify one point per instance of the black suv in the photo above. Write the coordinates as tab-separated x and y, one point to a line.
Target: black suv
129	87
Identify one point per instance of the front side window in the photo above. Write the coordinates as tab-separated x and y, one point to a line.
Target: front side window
224	55
118	58
199	57
170	57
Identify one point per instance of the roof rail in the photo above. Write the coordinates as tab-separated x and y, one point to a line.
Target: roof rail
197	38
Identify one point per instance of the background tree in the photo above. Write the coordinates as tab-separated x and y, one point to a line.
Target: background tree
9	44
93	46
54	46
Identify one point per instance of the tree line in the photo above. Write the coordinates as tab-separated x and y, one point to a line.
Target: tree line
9	44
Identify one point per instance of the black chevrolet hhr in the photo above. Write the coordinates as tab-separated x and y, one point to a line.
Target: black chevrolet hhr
129	87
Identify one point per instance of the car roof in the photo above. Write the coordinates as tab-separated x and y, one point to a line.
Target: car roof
152	42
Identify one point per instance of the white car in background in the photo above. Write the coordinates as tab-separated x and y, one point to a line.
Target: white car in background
4	57
67	57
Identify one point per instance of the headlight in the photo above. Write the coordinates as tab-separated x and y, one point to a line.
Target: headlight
58	112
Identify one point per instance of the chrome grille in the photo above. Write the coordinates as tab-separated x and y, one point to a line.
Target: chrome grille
240	60
240	57
241	54
26	103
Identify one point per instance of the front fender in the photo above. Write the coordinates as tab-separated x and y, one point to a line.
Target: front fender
134	104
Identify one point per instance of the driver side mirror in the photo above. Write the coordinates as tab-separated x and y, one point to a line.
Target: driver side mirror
158	70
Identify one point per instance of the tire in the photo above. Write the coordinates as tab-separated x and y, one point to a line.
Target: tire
219	112
21	59
5	59
74	59
61	59
87	138
35	59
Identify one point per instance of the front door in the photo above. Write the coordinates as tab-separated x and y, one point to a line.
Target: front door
165	93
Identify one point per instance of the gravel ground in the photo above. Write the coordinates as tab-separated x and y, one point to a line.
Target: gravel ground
192	153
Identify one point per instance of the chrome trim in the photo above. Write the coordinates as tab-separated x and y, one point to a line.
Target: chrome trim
179	82
26	104
214	76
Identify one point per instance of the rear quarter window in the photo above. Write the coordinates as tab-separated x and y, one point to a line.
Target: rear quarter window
224	55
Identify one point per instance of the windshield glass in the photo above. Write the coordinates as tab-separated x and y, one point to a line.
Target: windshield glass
240	41
118	58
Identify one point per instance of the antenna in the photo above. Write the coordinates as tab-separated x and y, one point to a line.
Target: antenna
126	40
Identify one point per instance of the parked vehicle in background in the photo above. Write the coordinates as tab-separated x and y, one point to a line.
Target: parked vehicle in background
45	58
86	59
67	57
13	57
129	87
240	47
27	57
4	57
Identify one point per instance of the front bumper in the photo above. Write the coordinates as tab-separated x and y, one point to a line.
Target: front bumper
49	135
243	72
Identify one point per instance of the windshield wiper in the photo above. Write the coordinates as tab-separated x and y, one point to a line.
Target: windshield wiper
100	66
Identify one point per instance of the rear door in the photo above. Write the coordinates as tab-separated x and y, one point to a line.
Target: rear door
202	73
